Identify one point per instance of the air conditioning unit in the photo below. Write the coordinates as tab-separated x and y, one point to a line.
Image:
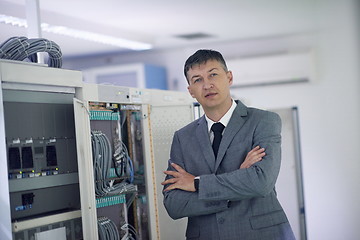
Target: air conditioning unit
272	69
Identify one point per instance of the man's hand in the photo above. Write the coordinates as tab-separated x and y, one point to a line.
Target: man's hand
181	179
254	156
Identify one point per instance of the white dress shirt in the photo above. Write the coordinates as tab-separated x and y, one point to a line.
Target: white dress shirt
224	120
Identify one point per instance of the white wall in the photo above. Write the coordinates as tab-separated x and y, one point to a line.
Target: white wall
329	109
329	124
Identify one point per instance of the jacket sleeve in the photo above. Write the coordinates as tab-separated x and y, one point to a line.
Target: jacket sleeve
179	203
256	181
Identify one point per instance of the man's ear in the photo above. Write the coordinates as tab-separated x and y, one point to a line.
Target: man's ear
191	93
230	77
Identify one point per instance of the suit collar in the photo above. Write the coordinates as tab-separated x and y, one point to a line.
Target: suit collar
241	108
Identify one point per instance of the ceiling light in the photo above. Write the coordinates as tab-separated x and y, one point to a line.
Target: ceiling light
19	22
79	34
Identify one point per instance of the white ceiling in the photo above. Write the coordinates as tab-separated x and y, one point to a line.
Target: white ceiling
159	22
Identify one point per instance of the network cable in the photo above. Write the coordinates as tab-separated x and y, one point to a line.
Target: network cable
21	48
107	229
102	159
131	232
122	161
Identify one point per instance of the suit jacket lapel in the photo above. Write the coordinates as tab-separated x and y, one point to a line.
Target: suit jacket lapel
205	145
234	125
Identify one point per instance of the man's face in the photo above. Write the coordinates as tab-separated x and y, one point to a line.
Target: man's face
210	84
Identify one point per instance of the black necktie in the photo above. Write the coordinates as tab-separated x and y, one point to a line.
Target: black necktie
217	128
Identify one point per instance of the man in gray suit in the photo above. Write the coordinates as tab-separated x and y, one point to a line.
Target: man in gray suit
222	177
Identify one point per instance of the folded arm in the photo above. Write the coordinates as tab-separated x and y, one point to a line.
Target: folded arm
180	198
254	178
257	180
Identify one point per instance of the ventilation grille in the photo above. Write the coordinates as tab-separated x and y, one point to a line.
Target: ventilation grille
194	36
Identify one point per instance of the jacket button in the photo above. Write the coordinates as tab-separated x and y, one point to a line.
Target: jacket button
221	220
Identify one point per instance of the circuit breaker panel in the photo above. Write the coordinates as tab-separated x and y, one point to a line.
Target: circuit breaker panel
41	151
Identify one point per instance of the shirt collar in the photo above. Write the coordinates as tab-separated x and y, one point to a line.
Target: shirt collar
225	119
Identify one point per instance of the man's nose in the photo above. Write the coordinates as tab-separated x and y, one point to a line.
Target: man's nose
207	84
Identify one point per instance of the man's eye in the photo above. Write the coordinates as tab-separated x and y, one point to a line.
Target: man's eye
196	80
213	74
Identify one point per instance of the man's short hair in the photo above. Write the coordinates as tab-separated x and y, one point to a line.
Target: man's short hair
202	56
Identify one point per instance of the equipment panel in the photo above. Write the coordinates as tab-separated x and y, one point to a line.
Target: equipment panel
40	159
41	144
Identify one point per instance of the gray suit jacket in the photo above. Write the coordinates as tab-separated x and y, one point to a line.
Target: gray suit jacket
232	203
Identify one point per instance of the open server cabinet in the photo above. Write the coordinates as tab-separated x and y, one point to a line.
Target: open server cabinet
40	191
50	122
139	125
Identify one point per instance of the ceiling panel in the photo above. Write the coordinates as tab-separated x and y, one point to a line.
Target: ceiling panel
159	22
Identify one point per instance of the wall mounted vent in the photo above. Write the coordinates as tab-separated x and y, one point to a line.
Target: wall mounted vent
274	69
194	36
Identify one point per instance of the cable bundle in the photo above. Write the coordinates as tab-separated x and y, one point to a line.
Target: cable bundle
21	48
131	233
122	161
102	158
107	229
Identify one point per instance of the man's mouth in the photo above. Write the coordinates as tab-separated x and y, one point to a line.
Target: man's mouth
210	94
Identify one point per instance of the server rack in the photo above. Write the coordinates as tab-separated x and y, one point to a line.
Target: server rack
39	175
47	118
144	120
